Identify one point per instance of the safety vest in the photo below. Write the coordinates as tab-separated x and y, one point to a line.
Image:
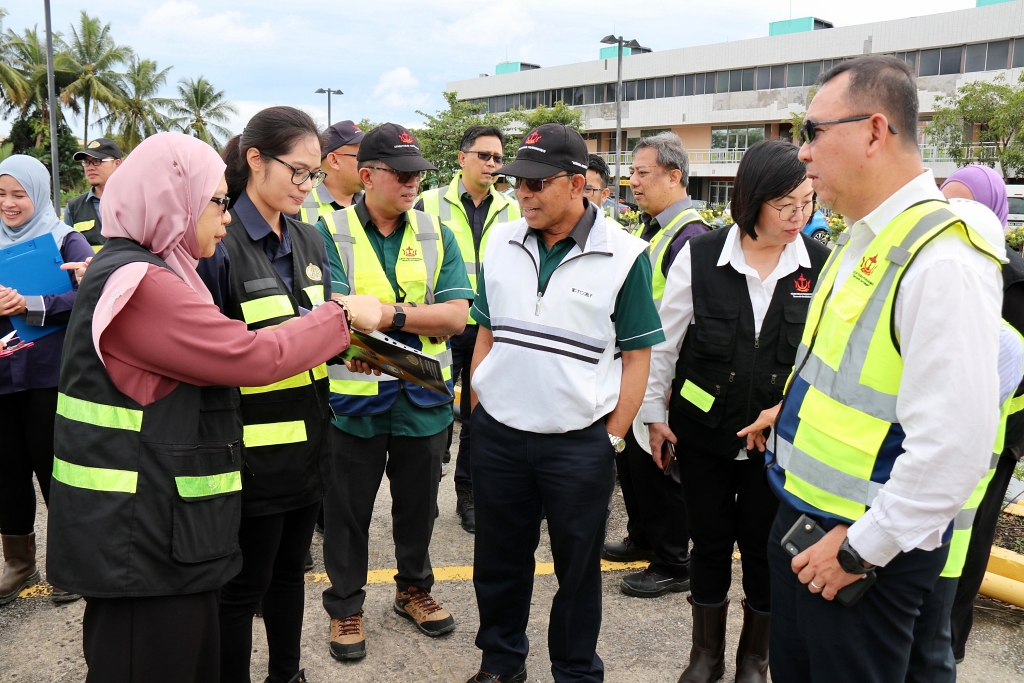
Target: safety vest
420	256
286	438
659	247
318	202
85	220
440	202
837	437
144	500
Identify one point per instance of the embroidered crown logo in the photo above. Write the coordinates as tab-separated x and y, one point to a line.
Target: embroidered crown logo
868	264
410	252
532	138
405	137
802	284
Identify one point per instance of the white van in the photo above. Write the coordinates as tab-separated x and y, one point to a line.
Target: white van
1015	195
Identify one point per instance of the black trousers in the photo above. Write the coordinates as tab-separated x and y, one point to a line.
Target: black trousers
273	554
26	423
980	547
931	657
655	510
728	502
166	639
814	640
516	473
413	466
462	359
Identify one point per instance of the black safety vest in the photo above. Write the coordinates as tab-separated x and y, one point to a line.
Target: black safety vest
726	375
144	500
86	220
286	423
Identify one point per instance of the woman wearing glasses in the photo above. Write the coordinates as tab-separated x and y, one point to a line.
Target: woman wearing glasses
268	270
733	312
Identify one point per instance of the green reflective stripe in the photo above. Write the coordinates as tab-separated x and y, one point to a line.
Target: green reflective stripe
1016	404
98	414
265	308
315	294
697	396
85	226
210	485
94	478
274	433
824	476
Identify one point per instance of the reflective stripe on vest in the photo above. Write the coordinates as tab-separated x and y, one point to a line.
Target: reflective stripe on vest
210	485
84	226
274	433
312	208
315	294
300	380
98	414
95	478
659	247
265	308
838	437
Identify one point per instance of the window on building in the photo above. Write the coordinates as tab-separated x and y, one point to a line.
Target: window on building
665	87
736	137
811	72
950	59
649	88
764	77
975	60
629	91
1018	53
721	192
589	92
641	90
795	76
929	63
912	61
698	79
723	82
686	83
779	76
609	92
735	80
998	55
748	79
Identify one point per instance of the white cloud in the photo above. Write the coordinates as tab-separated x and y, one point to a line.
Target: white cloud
399	89
182	21
493	27
249	108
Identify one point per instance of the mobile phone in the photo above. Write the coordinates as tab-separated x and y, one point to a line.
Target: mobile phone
805	533
668	457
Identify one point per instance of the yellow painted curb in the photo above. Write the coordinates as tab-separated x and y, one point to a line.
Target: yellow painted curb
1006	563
1002	588
1015	509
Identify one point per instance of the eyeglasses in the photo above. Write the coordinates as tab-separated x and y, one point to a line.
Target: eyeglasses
594	191
810	128
223	202
301	175
787	212
536	185
95	162
403	177
486	156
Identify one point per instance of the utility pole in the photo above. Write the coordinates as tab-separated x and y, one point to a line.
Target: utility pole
620	42
329	91
52	88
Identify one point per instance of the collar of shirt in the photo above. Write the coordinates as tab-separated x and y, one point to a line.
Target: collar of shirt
793	256
91	195
665	217
252	220
580	232
323	195
363	214
919	189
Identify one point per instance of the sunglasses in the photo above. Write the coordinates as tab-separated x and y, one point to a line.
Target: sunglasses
809	129
486	156
403	177
301	175
223	202
536	185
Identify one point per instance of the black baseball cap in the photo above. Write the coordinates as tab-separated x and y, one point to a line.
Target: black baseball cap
548	149
100	148
396	147
340	134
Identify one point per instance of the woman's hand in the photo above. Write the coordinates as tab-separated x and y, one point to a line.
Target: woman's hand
11	303
364	311
78	267
755	432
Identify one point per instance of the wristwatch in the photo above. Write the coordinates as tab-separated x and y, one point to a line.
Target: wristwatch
850	560
398	322
618	443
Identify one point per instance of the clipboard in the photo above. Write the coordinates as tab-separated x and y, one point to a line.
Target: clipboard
33	268
396	359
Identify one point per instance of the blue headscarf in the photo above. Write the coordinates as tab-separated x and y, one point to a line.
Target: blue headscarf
34	177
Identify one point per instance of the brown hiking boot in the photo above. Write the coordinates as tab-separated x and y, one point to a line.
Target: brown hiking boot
347	638
19	566
429	617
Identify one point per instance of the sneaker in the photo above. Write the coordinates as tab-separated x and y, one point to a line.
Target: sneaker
419	607
651	584
464	508
347	638
624	551
487	677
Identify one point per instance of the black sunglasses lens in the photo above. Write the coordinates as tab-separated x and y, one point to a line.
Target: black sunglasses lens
807	131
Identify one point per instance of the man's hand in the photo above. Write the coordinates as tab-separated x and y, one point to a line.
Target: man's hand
818	568
11	303
363	367
78	267
659	434
755	432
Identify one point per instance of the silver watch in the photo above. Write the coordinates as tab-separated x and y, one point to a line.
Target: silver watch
618	443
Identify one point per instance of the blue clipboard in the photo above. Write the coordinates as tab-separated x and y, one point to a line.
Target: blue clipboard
33	268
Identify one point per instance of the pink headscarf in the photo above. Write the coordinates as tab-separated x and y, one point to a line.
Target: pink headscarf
156	196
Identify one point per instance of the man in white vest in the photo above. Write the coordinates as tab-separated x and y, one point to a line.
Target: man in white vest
567	322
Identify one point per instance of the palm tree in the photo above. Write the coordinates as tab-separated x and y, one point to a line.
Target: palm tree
93	56
200	109
141	113
27	55
13	87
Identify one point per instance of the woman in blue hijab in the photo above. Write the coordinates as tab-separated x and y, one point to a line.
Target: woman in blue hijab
28	378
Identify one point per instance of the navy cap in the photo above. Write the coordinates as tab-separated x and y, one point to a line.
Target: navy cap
396	147
100	148
340	134
548	149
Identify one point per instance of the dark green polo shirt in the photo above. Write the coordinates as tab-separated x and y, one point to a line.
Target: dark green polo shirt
405	418
637	324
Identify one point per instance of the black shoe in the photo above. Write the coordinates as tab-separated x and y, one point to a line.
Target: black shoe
309	561
319	528
465	509
297	678
651	584
259	610
624	551
485	677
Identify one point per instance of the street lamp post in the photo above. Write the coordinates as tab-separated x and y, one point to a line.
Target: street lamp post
620	42
329	91
52	88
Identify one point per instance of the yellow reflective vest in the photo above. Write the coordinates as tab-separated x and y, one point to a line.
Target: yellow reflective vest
659	247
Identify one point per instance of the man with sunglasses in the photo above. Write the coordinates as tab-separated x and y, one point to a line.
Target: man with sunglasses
890	417
413	264
100	158
469	206
567	322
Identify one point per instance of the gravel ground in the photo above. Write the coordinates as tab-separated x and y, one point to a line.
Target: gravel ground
641	640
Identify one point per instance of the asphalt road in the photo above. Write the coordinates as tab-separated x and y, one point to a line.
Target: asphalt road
642	641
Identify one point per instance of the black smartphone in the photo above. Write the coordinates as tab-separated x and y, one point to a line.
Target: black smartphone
805	533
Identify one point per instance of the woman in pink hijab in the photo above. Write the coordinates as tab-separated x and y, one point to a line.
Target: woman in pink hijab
148	467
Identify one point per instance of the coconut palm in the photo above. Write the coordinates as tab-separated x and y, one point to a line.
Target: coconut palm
201	109
93	55
26	53
13	87
142	112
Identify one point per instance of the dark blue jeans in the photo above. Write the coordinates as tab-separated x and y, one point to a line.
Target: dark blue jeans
515	473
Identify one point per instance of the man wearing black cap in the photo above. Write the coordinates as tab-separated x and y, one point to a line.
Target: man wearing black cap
100	158
567	321
339	147
408	260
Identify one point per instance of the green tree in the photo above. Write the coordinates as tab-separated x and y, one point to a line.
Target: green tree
201	109
797	119
142	113
996	110
440	137
93	55
26	53
30	134
559	113
366	125
13	86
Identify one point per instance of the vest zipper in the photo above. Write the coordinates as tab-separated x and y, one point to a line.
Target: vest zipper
773	379
753	374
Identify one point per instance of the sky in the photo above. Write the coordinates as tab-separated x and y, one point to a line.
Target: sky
393	57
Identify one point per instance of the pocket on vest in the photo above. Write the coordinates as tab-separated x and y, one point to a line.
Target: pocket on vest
714	330
791	331
207	508
702	399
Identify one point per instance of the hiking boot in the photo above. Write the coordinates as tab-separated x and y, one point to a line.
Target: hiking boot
19	566
419	607
624	551
651	584
487	677
707	655
465	509
752	653
347	638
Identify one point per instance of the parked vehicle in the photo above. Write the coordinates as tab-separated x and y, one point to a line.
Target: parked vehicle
1015	195
817	228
